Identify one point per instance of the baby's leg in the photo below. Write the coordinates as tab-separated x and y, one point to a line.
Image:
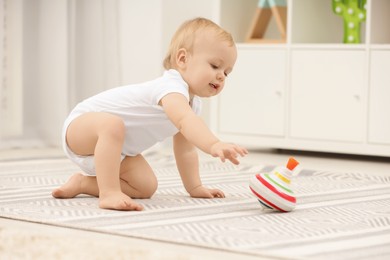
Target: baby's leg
77	184
137	177
101	135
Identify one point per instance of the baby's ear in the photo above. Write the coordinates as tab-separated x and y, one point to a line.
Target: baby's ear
181	57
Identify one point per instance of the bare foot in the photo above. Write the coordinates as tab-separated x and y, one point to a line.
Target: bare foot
70	189
118	201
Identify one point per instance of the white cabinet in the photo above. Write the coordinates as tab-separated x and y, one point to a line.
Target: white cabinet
253	100
327	99
379	109
379	73
313	92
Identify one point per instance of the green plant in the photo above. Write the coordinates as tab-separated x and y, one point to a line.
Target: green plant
353	13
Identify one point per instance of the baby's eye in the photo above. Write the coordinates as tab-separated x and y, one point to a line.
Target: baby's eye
225	74
214	66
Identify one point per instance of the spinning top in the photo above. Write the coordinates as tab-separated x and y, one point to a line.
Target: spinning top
273	189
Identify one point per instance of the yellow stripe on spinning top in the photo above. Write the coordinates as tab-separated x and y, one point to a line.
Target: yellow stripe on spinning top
282	177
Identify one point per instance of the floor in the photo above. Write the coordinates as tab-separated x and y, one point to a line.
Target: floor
38	241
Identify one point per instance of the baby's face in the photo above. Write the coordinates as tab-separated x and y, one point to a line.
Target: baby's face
209	64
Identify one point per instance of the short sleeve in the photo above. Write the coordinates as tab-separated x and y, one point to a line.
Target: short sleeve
168	88
172	83
197	105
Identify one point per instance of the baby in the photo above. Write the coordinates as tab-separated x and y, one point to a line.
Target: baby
106	134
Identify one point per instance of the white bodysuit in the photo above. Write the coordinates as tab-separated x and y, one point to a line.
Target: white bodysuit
145	120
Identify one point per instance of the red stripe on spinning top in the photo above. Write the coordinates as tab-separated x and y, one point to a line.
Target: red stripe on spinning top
274	190
266	201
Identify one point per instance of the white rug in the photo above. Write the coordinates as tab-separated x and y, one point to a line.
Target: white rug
338	215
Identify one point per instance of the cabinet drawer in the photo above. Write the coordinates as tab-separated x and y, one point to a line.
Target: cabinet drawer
379	105
253	99
328	99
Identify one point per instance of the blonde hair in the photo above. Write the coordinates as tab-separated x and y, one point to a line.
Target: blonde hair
185	36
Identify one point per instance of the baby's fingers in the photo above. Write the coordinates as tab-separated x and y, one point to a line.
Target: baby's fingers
241	151
221	155
217	193
229	151
233	158
234	161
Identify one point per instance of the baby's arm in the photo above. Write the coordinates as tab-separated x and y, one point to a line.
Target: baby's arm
195	130
187	162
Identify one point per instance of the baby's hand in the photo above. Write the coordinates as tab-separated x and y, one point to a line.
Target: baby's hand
206	193
228	151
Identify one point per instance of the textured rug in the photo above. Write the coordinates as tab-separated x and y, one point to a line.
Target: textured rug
339	215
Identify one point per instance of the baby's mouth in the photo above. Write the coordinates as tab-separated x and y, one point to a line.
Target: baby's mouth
215	86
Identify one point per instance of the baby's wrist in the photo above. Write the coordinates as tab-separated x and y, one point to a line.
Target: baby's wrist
194	188
213	144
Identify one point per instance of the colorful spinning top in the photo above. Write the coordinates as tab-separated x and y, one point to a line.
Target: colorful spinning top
273	190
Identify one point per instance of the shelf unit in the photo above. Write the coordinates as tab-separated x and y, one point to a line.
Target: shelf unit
313	92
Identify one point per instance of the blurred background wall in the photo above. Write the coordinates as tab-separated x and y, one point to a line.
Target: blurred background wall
55	53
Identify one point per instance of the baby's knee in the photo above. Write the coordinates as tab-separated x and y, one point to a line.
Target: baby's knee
149	189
